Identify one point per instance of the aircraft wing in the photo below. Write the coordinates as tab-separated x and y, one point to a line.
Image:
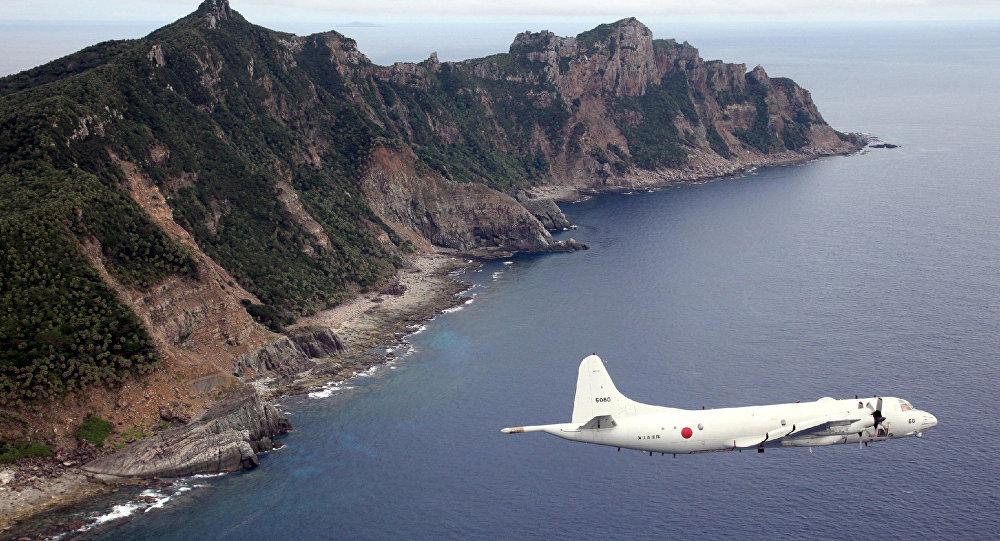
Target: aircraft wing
775	433
826	423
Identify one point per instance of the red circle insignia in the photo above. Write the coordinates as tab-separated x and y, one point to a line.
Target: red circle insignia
686	432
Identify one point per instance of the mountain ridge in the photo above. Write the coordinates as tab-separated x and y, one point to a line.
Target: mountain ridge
215	180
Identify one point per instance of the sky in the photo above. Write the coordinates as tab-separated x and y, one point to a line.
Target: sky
35	32
342	11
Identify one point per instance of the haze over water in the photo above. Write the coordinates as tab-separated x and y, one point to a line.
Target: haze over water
870	274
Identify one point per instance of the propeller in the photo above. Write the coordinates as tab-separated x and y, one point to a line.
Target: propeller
877	414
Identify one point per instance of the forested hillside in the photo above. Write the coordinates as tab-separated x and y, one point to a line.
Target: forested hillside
218	159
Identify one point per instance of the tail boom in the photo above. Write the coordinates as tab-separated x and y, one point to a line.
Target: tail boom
551	429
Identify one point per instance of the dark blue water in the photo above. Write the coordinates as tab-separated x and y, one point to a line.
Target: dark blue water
875	273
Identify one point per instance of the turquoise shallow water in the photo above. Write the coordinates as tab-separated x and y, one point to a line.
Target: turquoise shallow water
870	274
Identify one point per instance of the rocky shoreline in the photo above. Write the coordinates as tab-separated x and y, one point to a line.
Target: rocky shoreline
328	347
704	168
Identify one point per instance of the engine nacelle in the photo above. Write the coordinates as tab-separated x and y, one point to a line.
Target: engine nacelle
859	425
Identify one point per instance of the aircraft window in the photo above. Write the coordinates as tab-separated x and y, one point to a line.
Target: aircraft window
904	406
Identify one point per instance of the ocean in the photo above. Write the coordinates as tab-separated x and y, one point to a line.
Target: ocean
876	273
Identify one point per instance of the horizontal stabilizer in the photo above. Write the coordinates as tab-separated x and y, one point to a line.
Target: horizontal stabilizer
601	421
551	429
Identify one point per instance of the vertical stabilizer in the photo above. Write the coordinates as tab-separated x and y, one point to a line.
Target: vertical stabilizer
596	393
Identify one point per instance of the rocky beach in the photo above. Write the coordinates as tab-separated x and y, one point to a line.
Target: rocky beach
227	436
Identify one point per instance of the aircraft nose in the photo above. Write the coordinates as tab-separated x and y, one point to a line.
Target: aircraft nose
930	421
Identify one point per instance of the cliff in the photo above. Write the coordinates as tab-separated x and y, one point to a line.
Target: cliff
226	437
168	205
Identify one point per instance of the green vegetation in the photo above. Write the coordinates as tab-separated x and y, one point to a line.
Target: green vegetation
661	45
490	146
14	451
61	327
268	316
655	142
760	136
716	141
794	135
229	120
589	41
598	154
216	150
93	429
130	435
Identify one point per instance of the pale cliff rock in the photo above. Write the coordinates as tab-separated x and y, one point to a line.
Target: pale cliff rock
290	354
545	210
191	319
460	216
226	437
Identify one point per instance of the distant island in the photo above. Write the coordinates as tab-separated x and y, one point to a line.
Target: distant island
204	207
359	24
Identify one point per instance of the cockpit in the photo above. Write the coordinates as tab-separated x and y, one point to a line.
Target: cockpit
905	406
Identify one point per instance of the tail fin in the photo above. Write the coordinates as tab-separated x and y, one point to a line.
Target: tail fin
596	394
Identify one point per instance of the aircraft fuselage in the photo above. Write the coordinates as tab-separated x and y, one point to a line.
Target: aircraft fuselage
694	431
603	416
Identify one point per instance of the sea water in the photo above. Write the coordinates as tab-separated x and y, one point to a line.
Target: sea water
877	273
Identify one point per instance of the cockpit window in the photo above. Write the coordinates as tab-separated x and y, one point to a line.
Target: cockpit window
904	405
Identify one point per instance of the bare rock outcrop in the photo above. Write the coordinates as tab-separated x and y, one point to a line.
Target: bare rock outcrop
290	354
226	437
545	210
465	217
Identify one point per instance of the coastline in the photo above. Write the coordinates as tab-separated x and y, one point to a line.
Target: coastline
370	325
703	168
373	323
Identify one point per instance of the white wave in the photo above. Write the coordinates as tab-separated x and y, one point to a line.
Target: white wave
117	512
327	390
408	350
417	329
162	499
143	502
367	373
394	348
325	393
508	262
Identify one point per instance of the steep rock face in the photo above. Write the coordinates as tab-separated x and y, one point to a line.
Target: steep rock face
545	210
226	437
460	216
191	317
290	354
639	106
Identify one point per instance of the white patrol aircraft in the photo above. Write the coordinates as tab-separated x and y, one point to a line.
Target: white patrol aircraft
602	415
